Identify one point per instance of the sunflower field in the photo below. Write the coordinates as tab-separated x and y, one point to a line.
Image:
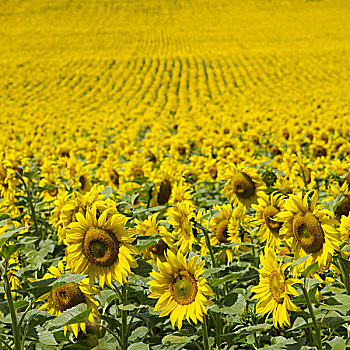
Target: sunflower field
174	174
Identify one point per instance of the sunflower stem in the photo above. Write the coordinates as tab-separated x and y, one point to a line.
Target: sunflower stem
207	242
205	333
15	329
31	206
317	337
124	330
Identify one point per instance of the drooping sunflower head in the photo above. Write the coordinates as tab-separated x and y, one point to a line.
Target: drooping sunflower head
266	209
312	229
69	295
180	288
242	185
100	246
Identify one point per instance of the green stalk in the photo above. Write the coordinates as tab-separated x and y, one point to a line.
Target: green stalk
31	206
317	336
205	333
15	329
207	242
124	330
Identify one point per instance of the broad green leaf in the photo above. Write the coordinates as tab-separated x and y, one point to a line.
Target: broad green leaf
80	318
46	337
300	261
311	268
176	339
138	346
214	282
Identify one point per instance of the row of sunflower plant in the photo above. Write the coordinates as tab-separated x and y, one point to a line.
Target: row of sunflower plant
237	263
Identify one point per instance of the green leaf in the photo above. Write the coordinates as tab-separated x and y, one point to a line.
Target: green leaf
311	268
337	343
7	235
176	339
254	329
80	318
214	282
300	261
8	250
46	337
138	333
67	278
138	346
78	314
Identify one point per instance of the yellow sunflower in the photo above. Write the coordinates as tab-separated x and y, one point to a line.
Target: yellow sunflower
273	289
344	228
312	229
242	185
150	227
69	295
180	289
266	209
100	246
182	218
219	225
15	282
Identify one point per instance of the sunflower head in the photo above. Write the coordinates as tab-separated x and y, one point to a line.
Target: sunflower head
242	185
180	289
312	229
274	289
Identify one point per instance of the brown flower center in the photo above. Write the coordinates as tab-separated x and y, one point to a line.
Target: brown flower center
274	226
213	172
67	296
159	249
343	207
243	186
221	232
164	192
183	288
309	233
277	286
138	172
101	247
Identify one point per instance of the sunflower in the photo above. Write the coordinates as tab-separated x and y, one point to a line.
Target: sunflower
163	184
99	245
266	209
67	208
242	185
180	289
311	227
69	295
7	179
344	228
182	218
15	282
150	227
273	289
219	225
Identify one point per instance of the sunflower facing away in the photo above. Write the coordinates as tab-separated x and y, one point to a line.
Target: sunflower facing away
242	185
100	246
311	227
69	295
266	209
273	289
180	289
